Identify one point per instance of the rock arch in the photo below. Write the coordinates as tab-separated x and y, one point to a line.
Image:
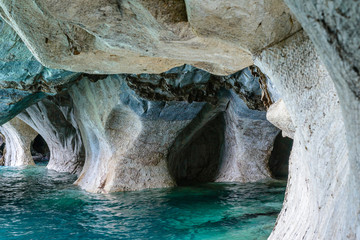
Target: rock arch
53	119
18	136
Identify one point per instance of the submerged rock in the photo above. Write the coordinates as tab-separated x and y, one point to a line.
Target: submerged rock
18	136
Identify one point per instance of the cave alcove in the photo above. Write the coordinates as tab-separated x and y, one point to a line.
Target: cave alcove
198	159
279	158
40	150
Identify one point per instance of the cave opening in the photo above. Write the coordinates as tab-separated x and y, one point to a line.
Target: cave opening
40	150
197	159
279	158
2	150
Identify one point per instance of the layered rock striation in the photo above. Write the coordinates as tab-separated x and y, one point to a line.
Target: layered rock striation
148	36
53	118
319	173
130	140
23	80
18	136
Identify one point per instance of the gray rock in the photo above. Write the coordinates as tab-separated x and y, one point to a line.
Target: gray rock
128	138
224	143
140	36
319	180
53	118
278	115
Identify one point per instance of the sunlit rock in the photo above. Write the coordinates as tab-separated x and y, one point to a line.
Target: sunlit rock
53	118
18	136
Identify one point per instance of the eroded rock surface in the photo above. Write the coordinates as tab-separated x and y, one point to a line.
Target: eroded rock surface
18	136
23	80
190	84
53	118
224	143
128	135
334	29
126	138
320	186
140	36
278	115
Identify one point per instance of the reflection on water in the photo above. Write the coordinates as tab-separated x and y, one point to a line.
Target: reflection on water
36	203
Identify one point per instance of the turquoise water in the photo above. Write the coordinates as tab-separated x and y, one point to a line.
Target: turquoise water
36	203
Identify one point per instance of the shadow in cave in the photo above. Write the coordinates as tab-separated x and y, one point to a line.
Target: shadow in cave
2	150
195	157
40	151
279	159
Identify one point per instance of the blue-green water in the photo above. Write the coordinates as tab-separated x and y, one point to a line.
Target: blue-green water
36	203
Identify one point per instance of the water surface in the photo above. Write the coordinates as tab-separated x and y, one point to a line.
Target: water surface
36	203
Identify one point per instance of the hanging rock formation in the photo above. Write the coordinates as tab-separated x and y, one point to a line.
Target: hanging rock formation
23	80
319	182
53	119
18	136
140	36
278	115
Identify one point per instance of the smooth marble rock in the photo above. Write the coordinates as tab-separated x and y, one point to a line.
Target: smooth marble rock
18	136
126	138
129	139
278	115
320	186
53	118
224	143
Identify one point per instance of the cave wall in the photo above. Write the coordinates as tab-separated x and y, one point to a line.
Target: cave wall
220	37
129	124
126	138
227	142
23	80
18	136
53	118
319	188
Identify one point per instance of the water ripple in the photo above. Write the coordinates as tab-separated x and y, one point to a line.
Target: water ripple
36	203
